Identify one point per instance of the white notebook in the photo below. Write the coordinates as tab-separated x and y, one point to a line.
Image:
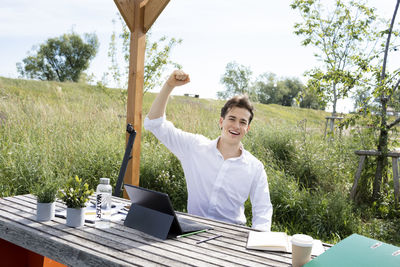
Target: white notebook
277	241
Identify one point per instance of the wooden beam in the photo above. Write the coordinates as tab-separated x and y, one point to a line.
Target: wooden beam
152	9
139	15
125	7
395	167
135	91
357	177
377	153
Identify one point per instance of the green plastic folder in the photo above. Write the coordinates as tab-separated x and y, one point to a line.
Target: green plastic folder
357	250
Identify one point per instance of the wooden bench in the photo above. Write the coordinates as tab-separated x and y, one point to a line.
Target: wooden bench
193	95
363	154
331	121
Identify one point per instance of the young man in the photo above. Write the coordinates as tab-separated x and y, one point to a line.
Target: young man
220	174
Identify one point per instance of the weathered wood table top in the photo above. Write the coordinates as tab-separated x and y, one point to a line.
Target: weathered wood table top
124	246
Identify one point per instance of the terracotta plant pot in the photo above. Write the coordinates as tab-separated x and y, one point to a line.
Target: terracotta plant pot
75	217
45	211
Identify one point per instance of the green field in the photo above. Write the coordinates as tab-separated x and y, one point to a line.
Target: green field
58	130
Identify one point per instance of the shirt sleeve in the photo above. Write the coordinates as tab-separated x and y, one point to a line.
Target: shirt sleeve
260	201
176	140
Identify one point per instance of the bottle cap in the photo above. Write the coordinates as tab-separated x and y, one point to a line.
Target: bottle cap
105	180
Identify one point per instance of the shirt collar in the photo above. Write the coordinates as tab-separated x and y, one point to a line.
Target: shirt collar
242	156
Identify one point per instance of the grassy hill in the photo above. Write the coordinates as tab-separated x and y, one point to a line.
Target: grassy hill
58	130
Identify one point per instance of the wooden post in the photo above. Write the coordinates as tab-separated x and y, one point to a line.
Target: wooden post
331	122
395	166
135	91
139	16
357	177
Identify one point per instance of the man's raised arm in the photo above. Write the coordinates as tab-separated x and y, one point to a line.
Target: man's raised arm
177	78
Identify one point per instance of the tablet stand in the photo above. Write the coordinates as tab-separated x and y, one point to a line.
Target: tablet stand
149	221
127	157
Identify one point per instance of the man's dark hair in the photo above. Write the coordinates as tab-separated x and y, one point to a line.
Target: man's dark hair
240	101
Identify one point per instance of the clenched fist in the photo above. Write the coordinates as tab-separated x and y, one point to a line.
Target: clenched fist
178	78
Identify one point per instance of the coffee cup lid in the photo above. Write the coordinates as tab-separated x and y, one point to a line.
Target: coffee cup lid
302	240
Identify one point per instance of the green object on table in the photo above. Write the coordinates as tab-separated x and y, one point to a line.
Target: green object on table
192	233
358	250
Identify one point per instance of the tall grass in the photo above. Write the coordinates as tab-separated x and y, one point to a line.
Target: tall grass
61	130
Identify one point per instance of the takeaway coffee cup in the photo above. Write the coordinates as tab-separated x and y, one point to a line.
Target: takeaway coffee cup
301	249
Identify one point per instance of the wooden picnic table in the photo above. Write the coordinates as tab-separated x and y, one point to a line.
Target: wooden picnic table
124	246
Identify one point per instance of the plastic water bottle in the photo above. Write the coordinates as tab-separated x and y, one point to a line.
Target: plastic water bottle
103	203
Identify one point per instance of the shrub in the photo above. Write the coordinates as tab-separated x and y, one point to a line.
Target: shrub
327	216
331	216
288	202
271	145
380	229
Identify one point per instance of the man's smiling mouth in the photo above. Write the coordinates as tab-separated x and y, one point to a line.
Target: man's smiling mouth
234	133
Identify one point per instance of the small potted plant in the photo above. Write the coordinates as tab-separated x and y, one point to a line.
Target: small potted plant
75	194
46	192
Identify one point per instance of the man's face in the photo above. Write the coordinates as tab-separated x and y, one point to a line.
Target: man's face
235	125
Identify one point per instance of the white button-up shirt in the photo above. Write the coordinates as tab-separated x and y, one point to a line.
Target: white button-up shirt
217	188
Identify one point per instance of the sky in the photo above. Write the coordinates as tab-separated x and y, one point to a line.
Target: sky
254	33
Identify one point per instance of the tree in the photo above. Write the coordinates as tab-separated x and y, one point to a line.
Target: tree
309	98
292	87
112	55
395	100
273	90
362	100
265	88
386	86
341	35
62	58
237	80
380	87
156	60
